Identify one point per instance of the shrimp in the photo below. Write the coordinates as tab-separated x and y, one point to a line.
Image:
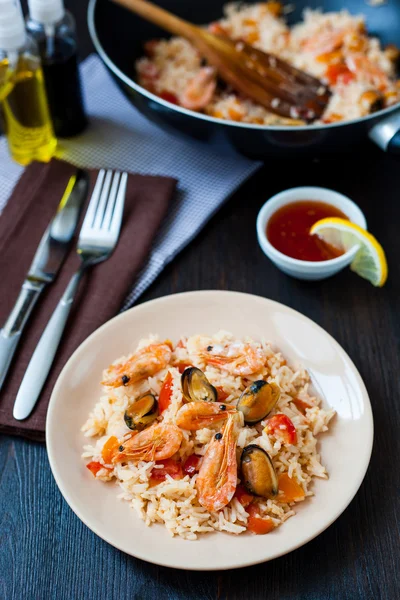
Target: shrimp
365	69
146	362
158	442
196	415
217	479
324	41
237	359
200	89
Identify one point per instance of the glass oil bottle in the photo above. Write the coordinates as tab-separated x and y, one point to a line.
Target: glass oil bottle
23	104
53	28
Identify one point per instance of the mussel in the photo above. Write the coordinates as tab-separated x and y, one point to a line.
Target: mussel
196	387
141	413
257	400
371	101
258	472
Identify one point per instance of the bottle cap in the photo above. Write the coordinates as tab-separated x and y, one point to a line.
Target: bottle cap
12	26
46	12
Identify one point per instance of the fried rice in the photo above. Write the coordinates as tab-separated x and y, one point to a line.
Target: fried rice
174	502
334	47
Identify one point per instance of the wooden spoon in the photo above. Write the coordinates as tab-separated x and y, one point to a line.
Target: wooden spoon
263	77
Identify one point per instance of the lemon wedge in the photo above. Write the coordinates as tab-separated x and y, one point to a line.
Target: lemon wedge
370	260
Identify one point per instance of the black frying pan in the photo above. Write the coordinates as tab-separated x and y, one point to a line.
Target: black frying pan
119	35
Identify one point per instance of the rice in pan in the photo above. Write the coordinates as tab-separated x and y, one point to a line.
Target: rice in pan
335	47
198	485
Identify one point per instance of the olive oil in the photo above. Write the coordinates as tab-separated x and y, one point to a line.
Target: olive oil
25	115
23	104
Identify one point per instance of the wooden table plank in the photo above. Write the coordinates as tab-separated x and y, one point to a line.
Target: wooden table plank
47	553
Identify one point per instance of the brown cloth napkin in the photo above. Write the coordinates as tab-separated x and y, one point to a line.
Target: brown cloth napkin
28	212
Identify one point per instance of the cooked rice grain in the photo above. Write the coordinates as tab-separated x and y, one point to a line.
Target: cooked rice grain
316	45
174	502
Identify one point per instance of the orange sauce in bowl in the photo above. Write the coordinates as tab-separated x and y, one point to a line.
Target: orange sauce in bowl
288	230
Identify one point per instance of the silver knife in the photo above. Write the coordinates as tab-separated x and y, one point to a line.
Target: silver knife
50	254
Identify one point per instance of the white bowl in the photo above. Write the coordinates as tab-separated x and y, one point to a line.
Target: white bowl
303	269
345	449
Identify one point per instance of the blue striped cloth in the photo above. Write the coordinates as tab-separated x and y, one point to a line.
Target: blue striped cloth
121	138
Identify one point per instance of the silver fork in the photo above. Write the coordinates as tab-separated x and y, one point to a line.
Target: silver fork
97	240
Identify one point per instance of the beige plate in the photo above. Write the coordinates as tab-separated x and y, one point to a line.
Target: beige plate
345	450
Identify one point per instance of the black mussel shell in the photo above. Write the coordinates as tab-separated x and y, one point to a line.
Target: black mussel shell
258	400
196	387
141	413
258	472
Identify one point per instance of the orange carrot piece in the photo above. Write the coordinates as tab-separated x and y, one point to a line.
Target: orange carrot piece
257	524
94	467
109	449
301	405
289	489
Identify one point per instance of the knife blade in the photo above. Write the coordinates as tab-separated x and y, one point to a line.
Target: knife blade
49	256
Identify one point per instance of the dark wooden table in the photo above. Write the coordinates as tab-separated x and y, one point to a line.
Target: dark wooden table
47	553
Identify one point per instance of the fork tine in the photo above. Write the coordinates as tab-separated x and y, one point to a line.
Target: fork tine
101	207
111	201
94	200
119	205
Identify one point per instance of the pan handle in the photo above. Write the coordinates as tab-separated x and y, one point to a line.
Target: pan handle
386	133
